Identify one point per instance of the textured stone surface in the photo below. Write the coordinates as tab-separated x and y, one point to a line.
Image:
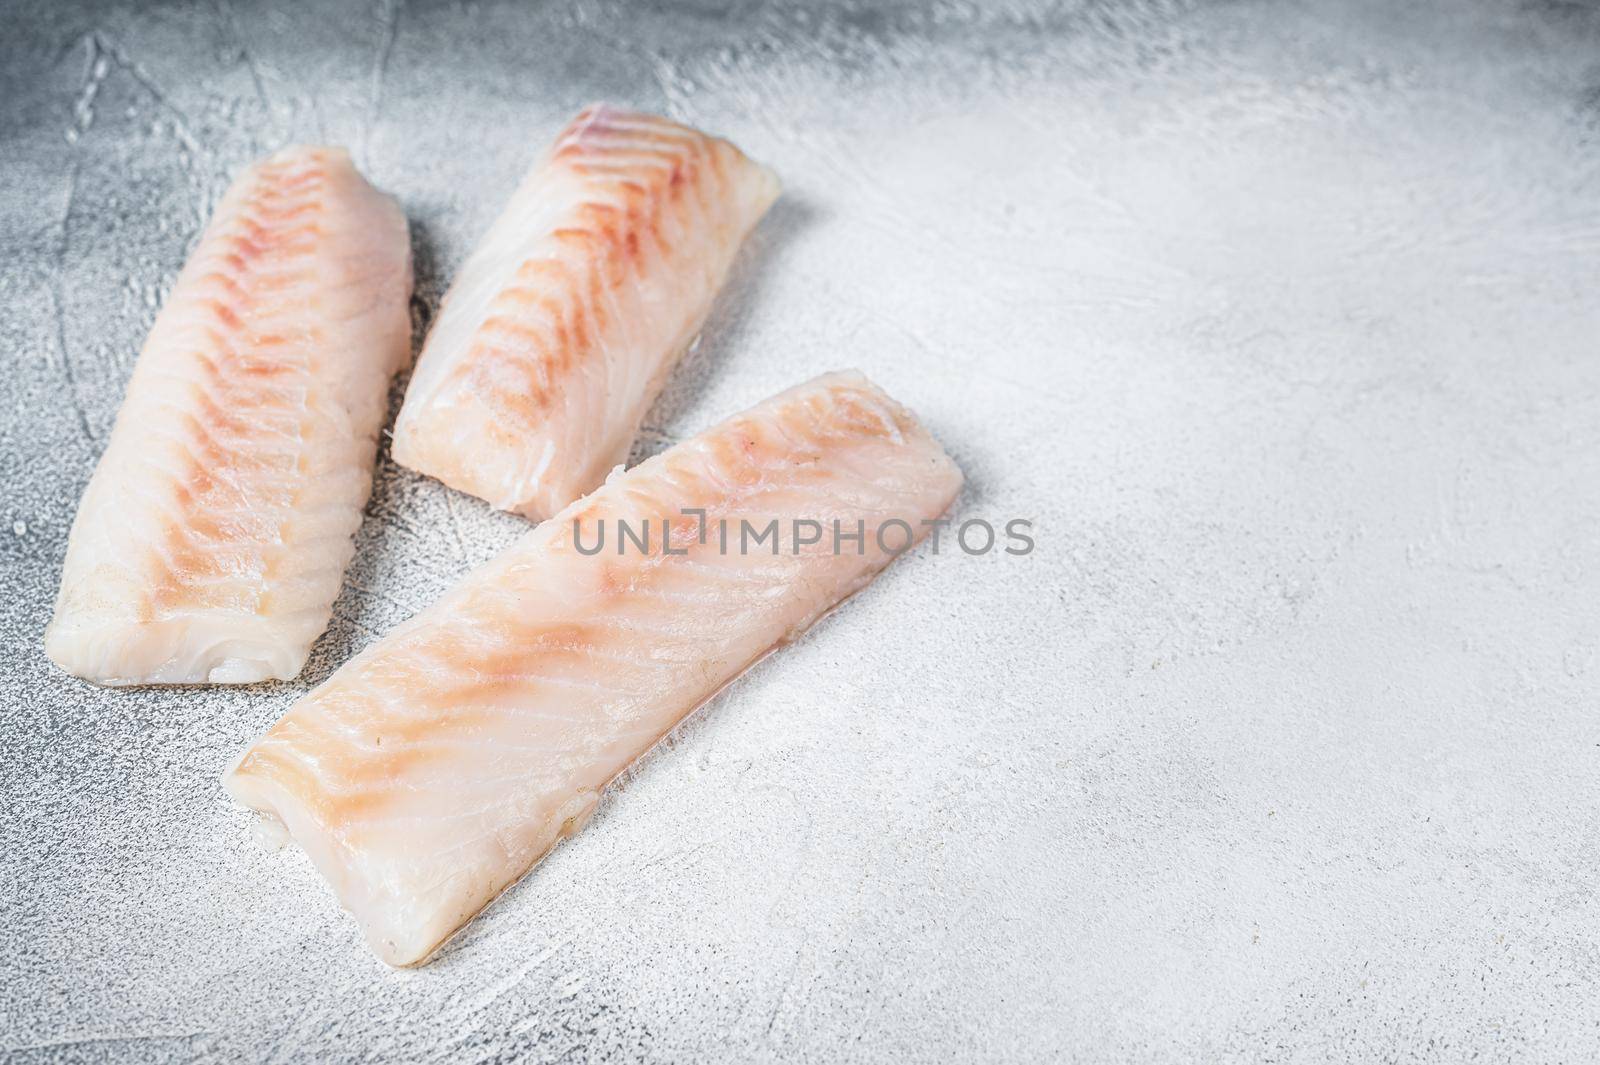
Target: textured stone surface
1278	319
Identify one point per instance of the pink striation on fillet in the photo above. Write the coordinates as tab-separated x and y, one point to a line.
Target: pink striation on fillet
212	539
564	323
437	767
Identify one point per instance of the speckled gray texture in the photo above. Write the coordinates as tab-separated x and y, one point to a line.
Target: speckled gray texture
1279	319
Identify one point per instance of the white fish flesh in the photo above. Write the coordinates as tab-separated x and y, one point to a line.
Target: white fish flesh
212	538
561	328
435	768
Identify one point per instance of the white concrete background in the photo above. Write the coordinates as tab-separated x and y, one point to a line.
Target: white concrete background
1279	319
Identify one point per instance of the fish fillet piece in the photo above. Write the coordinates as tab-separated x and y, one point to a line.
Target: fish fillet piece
562	326
438	766
213	536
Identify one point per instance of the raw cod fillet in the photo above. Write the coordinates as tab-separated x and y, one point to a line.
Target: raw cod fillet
562	326
212	538
437	767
